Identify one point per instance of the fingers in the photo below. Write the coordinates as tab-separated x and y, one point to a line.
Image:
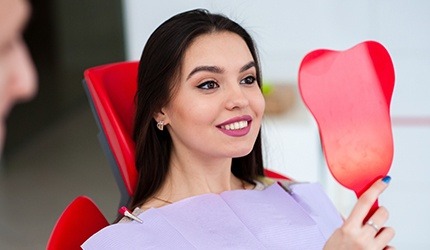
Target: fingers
389	248
374	228
365	202
384	236
356	232
376	221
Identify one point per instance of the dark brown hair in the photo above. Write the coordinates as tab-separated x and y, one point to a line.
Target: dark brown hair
159	66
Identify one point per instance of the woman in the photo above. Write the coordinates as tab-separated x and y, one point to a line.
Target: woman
198	152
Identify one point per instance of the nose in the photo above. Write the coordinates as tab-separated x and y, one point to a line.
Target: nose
237	98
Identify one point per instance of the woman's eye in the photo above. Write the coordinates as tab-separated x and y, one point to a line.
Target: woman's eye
208	85
248	80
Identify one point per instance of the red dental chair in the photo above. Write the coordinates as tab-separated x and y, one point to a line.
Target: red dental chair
110	89
81	219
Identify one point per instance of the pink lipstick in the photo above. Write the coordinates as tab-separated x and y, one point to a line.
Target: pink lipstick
237	126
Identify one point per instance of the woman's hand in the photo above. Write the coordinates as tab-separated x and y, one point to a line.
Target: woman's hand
358	234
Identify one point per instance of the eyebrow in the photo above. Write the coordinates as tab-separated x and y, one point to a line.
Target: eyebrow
247	66
218	70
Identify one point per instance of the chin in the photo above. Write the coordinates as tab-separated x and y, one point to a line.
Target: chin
241	152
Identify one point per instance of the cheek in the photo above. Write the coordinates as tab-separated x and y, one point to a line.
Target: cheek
193	111
258	104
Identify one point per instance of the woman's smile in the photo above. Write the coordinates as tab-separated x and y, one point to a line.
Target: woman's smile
237	126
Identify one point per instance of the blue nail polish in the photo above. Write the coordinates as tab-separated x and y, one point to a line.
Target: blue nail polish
386	179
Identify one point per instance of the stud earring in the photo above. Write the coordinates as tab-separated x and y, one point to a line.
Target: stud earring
160	125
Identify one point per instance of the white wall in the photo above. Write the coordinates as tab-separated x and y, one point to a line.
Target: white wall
285	31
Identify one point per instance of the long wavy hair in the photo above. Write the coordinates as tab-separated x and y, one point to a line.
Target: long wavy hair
158	68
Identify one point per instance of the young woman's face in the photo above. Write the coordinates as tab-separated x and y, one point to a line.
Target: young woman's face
17	75
218	107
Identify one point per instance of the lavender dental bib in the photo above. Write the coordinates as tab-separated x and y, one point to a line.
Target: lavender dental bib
241	219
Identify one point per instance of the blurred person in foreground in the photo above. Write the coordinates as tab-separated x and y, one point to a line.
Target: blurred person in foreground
17	72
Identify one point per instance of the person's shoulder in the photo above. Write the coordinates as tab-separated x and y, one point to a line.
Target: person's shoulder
114	236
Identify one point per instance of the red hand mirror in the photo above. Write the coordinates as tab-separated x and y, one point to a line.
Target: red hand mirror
349	94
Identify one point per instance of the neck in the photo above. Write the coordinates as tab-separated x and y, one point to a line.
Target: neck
188	177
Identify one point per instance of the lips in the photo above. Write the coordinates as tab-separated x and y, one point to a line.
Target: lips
237	126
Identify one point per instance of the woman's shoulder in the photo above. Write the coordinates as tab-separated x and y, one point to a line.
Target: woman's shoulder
153	232
114	236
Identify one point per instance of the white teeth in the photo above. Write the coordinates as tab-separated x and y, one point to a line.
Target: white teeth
235	125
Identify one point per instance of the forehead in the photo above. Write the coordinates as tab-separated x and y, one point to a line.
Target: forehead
217	48
13	16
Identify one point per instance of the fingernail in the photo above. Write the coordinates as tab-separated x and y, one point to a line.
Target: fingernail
386	179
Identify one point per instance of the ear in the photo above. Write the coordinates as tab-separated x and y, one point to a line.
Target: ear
162	116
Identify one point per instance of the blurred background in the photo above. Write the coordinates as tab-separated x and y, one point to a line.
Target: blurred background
52	154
